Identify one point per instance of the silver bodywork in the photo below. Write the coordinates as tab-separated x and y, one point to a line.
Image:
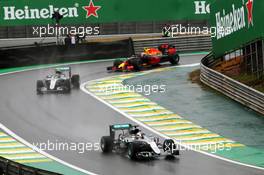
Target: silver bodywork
146	140
53	79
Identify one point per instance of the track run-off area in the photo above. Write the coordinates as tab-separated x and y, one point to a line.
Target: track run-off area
79	117
158	119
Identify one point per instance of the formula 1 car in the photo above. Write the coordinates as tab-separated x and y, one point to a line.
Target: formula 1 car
149	57
62	81
128	139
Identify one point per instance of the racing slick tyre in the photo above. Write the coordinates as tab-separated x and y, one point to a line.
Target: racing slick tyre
136	63
106	144
132	151
40	85
75	79
67	86
170	147
175	59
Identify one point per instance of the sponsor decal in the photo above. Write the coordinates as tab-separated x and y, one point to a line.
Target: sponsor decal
228	23
13	13
29	13
201	8
91	10
249	5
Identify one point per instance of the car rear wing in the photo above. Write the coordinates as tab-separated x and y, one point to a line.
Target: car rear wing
118	127
64	69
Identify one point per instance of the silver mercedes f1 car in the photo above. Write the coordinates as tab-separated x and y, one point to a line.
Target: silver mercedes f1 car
62	81
128	139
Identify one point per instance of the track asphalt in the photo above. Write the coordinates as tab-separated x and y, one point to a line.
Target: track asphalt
77	117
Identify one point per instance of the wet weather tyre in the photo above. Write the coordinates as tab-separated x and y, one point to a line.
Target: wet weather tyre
67	86
40	85
132	151
170	147
136	63
175	59
106	144
75	80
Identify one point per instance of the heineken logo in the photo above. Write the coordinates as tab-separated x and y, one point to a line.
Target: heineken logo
201	8
27	12
91	10
228	23
249	5
13	13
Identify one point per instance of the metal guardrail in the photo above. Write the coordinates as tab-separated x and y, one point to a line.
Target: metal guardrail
8	167
231	88
182	43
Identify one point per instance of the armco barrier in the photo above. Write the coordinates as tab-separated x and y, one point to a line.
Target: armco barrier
8	167
231	88
182	43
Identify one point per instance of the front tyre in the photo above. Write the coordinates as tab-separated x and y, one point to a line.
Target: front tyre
132	151
67	87
136	63
40	85
170	147
75	79
175	59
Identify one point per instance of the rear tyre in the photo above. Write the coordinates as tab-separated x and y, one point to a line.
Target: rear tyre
106	144
75	79
132	151
40	85
175	59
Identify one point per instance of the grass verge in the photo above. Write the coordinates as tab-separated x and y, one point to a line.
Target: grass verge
250	80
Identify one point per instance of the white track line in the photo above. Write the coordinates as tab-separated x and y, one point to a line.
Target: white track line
160	134
12	134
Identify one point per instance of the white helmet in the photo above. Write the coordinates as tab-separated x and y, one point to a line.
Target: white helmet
139	135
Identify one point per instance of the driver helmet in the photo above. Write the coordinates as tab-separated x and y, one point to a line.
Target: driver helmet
139	135
58	72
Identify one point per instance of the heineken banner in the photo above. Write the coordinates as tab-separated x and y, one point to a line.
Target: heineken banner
237	22
36	12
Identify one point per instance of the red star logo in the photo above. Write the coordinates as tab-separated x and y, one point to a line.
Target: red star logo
249	5
91	10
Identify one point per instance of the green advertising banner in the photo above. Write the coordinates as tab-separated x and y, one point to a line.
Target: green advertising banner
36	12
237	22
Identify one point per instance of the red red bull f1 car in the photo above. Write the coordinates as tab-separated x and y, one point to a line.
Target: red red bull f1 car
149	57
